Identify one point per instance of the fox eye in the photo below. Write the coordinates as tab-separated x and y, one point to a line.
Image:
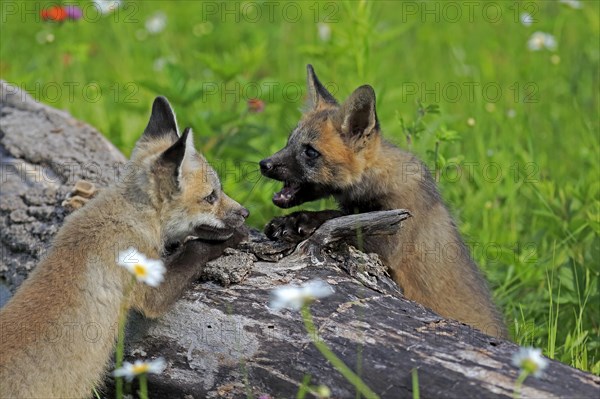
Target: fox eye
211	198
311	153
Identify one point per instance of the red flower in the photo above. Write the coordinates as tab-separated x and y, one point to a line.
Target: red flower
67	59
256	105
54	13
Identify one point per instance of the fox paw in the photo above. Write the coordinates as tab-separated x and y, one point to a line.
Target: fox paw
292	228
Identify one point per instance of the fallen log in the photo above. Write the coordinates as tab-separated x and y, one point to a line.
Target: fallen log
222	339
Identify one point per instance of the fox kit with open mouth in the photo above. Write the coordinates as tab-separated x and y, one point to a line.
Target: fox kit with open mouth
59	330
339	150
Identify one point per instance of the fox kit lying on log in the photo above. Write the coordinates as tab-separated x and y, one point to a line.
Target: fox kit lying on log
59	330
338	150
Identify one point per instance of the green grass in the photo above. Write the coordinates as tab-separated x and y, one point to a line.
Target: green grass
528	196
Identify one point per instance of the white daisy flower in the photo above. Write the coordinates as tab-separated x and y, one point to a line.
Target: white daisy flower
159	63
530	360
526	19
148	271
550	42
294	297
107	6
575	4
44	37
129	371
324	31
156	23
540	40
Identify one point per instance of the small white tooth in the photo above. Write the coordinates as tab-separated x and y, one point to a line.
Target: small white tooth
190	238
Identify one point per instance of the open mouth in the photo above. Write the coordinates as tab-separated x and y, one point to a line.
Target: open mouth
287	197
211	233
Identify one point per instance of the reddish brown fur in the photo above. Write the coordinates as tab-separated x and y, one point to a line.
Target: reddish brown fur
427	258
331	145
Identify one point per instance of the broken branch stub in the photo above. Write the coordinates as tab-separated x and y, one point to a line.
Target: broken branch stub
353	228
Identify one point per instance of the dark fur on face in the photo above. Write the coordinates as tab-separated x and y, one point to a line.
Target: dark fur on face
329	149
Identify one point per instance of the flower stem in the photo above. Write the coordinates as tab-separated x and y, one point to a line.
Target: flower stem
415	384
333	359
519	383
120	350
143	386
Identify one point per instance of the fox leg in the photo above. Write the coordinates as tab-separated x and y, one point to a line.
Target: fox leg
298	226
183	266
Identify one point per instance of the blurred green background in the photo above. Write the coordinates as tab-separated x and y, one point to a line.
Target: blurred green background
515	145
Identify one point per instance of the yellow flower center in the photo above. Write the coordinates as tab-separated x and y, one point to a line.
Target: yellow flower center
529	365
139	270
141	368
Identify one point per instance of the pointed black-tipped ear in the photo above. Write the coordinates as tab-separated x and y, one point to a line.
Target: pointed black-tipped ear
162	121
358	117
318	95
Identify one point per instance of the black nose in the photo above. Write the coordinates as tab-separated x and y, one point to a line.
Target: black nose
243	212
266	165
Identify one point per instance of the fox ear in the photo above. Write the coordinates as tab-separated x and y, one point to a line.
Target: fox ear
180	158
358	117
190	160
162	121
318	95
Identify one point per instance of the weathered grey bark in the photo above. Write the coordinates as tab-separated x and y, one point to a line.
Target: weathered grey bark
226	341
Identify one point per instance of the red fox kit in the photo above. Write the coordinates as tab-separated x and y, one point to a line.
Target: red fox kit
338	150
59	329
